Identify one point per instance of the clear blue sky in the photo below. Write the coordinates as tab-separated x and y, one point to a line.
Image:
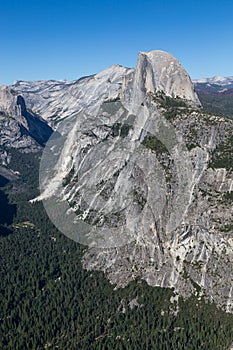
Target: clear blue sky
67	39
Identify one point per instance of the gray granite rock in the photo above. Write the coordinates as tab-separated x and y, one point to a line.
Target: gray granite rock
140	174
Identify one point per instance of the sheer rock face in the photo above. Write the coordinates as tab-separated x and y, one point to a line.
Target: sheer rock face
14	125
150	173
158	71
183	232
137	171
19	128
9	105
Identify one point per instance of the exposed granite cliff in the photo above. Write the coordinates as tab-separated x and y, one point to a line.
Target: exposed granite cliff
141	174
19	128
158	71
145	180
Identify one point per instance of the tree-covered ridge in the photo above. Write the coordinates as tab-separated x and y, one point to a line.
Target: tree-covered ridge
217	103
222	156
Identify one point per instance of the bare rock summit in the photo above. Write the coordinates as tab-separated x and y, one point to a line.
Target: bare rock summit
159	71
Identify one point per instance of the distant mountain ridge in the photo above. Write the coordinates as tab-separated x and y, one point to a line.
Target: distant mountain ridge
216	94
216	80
214	85
56	100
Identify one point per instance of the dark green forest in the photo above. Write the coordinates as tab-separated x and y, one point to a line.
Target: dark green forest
217	104
48	301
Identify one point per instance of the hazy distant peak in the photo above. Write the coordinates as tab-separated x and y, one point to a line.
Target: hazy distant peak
218	80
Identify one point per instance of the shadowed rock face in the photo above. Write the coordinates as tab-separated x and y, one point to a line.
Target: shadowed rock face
19	128
37	128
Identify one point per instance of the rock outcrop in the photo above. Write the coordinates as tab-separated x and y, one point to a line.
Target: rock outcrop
19	128
158	71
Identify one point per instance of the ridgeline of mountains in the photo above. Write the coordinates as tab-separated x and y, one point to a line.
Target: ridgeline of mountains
143	167
47	102
216	94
